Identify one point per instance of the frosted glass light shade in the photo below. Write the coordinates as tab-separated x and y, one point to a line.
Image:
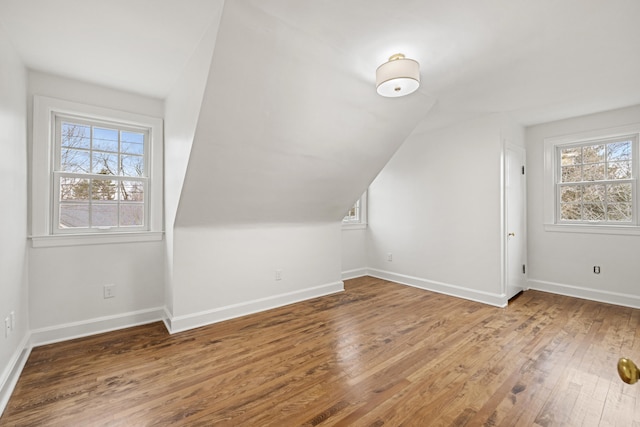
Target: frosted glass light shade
398	77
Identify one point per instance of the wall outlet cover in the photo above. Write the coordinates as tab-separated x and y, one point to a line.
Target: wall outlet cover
109	291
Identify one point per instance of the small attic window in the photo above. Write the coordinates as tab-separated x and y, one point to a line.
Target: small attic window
356	216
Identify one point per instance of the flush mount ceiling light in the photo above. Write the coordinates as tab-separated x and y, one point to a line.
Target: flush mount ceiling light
398	77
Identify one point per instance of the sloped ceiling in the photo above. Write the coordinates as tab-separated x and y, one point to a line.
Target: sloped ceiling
140	46
291	128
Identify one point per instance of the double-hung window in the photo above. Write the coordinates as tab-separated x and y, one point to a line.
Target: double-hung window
100	176
593	181
596	181
96	175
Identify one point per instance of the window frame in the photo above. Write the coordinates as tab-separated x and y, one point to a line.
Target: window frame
552	165
361	221
44	229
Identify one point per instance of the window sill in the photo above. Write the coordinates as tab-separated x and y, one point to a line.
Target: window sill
625	230
354	226
94	239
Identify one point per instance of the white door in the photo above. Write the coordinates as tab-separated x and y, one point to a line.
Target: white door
515	220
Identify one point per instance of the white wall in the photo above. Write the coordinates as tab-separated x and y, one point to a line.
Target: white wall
354	252
13	212
436	207
563	262
224	272
182	110
91	94
65	283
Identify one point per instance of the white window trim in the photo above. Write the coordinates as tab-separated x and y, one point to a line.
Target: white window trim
550	177
44	111
361	223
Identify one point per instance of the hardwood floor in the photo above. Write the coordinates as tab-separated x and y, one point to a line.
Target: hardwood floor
378	354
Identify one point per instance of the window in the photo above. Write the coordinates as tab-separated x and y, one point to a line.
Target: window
593	180
356	217
354	213
596	181
97	175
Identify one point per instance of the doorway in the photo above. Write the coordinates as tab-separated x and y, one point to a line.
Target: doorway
515	220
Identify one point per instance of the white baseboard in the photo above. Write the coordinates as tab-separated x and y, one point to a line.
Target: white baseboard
497	300
616	298
352	274
69	331
166	319
12	372
195	320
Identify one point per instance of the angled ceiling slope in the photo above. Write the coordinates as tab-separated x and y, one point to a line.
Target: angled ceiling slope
289	130
138	46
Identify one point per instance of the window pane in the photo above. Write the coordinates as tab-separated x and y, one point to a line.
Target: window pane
570	212
74	135
593	193
74	215
619	212
74	160
619	170
103	189
617	193
594	172
104	215
619	151
132	166
132	191
104	163
571	156
131	214
571	174
593	212
571	193
593	154
132	142
105	139
74	189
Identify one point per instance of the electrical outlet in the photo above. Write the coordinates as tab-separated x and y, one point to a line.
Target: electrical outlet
278	274
389	257
109	291
7	326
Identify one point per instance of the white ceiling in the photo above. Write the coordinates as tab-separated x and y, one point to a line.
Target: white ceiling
139	46
538	60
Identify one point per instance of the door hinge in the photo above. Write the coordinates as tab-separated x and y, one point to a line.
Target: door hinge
524	269
522	170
